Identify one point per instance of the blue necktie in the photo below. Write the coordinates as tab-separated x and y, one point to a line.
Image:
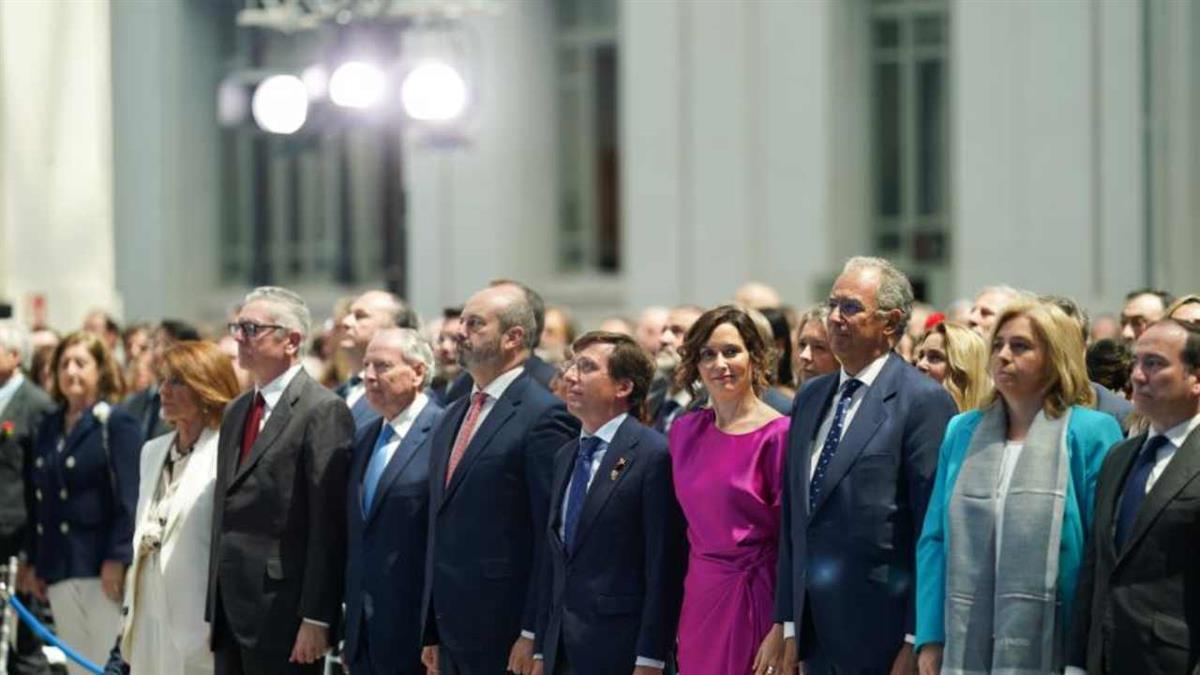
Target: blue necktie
376	466
577	492
1134	492
831	441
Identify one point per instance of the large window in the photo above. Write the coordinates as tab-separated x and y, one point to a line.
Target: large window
910	126
589	140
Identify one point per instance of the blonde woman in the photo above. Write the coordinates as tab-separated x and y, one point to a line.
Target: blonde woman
165	632
957	358
1012	504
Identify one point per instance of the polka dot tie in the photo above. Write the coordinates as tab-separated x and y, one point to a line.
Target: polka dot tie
831	441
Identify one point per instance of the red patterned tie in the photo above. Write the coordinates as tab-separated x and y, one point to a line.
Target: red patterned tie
253	422
465	432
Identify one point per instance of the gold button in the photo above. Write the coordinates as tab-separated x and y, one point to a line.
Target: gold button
70	462
64	528
38	494
39	528
38	462
62	494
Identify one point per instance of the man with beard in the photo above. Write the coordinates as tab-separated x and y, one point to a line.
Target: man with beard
667	398
492	464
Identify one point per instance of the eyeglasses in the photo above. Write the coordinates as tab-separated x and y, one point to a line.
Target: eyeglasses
847	307
251	330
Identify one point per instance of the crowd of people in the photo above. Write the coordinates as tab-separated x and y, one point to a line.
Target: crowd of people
869	485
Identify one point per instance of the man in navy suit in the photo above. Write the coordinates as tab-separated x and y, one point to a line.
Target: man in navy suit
369	313
388	509
862	454
493	460
616	534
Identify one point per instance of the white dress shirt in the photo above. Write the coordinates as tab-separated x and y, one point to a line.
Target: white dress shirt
356	392
401	424
494	390
10	389
1176	436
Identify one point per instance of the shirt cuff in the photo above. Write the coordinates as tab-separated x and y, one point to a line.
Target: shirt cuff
1074	670
538	657
789	629
910	639
527	634
314	622
649	663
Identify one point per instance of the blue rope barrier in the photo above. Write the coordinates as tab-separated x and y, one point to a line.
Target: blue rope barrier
45	634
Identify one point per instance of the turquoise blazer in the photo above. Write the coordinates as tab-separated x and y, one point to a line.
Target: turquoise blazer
1090	434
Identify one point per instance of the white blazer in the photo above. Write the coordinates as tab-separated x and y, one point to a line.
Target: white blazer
186	540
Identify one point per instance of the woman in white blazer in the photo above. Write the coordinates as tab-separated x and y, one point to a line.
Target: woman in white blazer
164	631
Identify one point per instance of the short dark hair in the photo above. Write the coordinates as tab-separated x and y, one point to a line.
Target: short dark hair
178	331
781	330
1109	363
1191	346
1164	296
536	305
628	361
452	312
688	371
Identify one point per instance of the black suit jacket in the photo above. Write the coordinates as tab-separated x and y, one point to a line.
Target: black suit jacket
145	406
20	419
385	562
1135	609
847	571
486	535
279	525
618	595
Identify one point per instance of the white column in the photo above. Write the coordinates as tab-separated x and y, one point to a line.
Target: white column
56	220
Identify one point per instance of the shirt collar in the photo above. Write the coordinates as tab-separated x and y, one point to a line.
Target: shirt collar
409	414
498	386
867	375
608	430
10	388
1177	434
273	390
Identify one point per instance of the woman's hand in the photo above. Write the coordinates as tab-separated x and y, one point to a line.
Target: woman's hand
769	659
29	582
112	580
929	659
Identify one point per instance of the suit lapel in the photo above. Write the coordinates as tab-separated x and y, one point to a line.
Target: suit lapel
403	456
86	421
1180	471
871	413
564	465
15	410
443	445
1108	493
500	413
281	414
620	451
196	474
358	466
230	445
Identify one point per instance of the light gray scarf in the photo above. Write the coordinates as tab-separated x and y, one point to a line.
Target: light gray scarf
1001	604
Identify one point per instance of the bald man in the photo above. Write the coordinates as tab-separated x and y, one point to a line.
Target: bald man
369	313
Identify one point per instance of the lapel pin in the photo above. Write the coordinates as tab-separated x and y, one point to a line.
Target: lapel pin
617	468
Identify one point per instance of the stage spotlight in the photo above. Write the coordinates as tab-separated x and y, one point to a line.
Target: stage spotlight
280	104
357	84
434	91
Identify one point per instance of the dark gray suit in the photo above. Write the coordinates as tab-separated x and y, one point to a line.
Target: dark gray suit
279	526
1135	609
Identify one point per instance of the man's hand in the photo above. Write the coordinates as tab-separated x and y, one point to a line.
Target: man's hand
520	659
312	641
929	659
429	657
906	661
112	580
538	667
791	660
29	582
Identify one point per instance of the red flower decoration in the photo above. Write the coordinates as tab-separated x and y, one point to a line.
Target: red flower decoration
7	428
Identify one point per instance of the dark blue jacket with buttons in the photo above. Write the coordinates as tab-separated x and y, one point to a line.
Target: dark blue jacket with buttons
85	497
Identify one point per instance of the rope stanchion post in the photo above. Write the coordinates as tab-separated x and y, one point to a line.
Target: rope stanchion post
8	627
44	633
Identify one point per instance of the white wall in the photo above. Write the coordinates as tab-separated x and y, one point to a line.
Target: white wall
56	220
1047	146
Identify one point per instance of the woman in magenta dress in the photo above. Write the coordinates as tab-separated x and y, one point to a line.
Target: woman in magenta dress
728	469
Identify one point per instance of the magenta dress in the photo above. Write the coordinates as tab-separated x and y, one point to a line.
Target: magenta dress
729	487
